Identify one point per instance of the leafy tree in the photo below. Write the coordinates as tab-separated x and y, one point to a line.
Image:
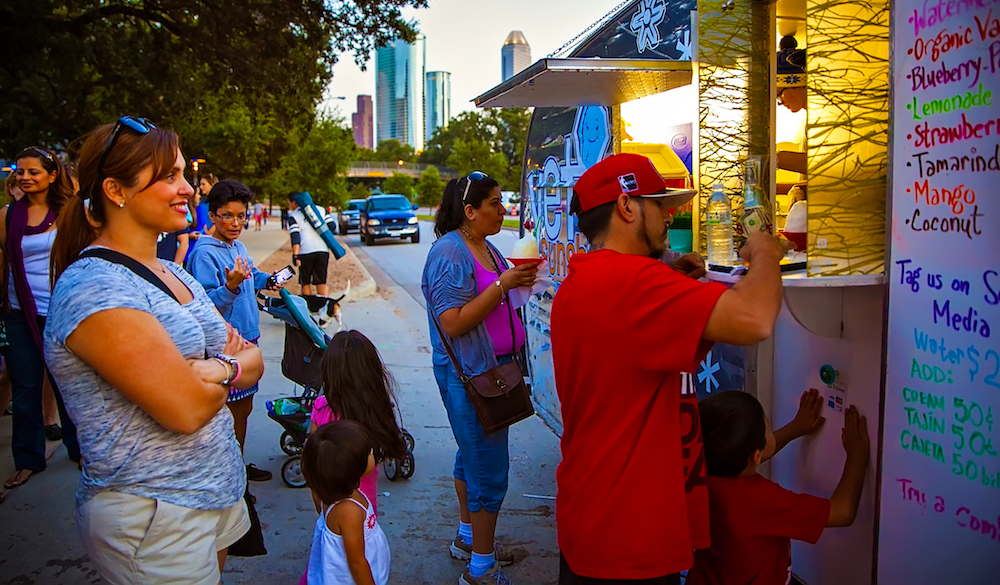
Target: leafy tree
399	183
430	187
474	154
70	65
393	151
359	191
472	138
319	163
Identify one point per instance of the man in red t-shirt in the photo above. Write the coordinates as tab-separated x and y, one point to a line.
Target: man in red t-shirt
625	329
753	518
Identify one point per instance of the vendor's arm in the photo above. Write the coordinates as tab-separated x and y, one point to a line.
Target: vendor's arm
132	351
807	421
791	160
745	314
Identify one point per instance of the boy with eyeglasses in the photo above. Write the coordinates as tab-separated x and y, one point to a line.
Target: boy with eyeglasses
223	266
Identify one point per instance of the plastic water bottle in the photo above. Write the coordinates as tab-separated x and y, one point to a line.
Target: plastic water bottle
720	228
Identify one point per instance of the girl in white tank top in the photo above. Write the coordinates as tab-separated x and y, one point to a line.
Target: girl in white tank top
334	459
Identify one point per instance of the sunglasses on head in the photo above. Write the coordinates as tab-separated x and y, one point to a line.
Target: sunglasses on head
136	124
473	176
38	150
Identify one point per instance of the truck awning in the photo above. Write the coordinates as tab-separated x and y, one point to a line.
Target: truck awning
586	82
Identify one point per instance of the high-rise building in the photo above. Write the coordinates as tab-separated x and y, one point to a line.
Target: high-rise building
437	94
399	92
361	122
515	54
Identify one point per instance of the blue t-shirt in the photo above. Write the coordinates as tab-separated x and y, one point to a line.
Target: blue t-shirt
124	449
448	282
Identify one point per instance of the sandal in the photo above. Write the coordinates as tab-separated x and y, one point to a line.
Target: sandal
13	483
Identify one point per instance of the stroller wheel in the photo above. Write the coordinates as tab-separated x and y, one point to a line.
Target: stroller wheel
407	466
391	469
408	439
289	444
291	473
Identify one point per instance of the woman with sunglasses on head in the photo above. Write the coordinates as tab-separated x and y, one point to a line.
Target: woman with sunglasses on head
27	231
145	362
465	283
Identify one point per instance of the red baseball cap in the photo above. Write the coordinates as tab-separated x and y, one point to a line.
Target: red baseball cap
628	173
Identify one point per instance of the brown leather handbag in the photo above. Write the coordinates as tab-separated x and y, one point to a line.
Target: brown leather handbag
499	395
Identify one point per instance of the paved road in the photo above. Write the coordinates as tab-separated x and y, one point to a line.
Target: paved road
403	261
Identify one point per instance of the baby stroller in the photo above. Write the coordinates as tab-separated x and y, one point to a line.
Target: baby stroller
305	342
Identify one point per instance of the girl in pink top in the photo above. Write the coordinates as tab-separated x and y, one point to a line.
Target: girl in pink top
357	386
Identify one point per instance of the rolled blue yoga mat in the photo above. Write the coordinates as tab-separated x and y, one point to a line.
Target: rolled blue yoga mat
309	209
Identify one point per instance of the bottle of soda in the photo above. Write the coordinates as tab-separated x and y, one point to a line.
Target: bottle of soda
756	216
720	228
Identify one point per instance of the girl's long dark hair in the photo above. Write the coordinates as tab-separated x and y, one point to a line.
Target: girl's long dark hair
358	387
451	213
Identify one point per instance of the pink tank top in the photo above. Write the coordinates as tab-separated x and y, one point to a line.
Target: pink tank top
322	414
498	321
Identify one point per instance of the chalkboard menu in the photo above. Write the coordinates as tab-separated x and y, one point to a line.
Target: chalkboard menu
939	518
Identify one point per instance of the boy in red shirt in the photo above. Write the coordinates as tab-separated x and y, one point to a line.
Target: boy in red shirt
752	518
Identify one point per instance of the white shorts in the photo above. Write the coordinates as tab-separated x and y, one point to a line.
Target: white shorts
130	539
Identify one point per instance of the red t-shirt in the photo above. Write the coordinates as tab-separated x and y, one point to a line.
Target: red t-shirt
753	521
624	328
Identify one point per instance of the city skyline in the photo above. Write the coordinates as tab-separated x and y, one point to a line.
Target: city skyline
437	102
515	55
361	122
399	92
469	52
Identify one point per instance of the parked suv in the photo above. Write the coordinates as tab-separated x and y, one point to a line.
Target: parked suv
388	216
348	219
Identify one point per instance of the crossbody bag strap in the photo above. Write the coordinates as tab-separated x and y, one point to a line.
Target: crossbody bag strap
447	347
510	312
132	264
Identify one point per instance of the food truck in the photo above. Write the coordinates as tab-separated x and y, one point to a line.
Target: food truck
891	302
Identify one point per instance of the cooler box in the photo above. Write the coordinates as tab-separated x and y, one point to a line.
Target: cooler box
671	167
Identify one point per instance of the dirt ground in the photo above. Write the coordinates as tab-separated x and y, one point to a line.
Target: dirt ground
339	272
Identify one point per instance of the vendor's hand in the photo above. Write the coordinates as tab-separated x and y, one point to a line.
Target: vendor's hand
809	418
238	273
855	434
692	265
518	276
763	247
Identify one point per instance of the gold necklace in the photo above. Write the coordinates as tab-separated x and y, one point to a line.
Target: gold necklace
485	254
159	266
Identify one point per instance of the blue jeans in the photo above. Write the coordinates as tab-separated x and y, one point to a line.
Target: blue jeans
482	460
26	368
